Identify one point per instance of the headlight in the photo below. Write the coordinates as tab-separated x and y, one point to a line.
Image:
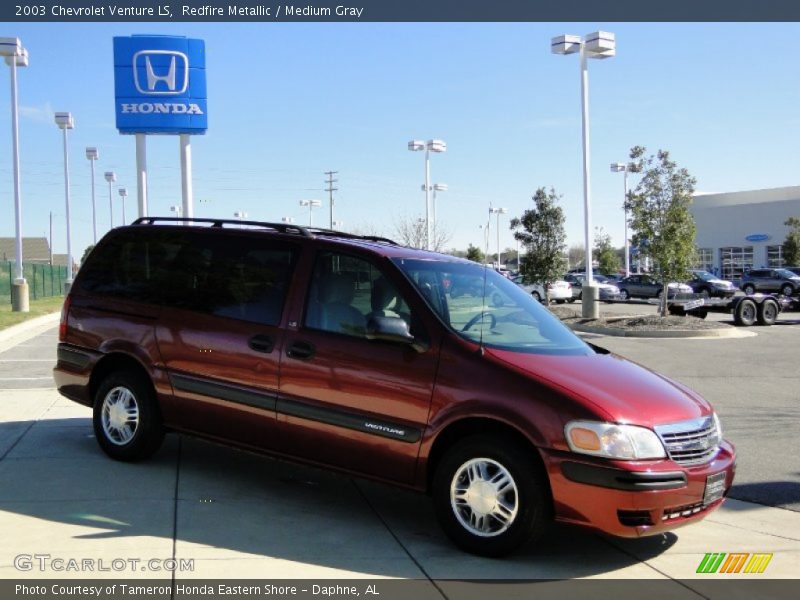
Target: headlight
718	423
625	442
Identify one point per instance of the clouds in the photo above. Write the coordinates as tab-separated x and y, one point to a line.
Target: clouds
38	114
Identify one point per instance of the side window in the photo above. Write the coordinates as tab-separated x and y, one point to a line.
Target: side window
346	292
131	265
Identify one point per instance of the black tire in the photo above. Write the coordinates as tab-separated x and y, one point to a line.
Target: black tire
146	435
624	295
749	289
536	296
532	499
571	300
560	301
787	289
745	313
768	312
700	314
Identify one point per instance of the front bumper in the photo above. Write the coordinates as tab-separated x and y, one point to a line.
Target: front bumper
633	499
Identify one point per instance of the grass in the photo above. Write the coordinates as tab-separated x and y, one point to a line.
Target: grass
39	307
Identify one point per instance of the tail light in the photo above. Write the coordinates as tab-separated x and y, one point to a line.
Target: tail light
62	326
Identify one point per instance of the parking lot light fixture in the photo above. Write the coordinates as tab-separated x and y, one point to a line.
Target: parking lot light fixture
123	193
288	220
177	209
498	212
65	122
599	45
92	155
623	168
437	146
240	214
16	56
311	204
111	177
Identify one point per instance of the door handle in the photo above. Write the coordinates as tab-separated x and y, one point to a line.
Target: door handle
261	343
301	350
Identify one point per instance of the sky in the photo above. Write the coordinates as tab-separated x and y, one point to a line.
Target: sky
289	101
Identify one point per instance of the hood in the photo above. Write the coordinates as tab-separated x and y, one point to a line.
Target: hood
720	282
613	388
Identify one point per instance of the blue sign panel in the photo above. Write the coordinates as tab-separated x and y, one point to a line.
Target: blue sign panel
757	237
160	84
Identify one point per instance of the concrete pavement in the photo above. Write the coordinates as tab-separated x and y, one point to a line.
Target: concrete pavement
240	515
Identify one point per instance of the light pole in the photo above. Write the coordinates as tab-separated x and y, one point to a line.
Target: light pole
240	214
498	212
111	177
437	187
311	204
437	146
599	44
337	225
288	220
65	122
177	209
16	56
92	155
123	193
623	168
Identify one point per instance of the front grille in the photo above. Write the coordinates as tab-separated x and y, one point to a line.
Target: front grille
682	511
690	442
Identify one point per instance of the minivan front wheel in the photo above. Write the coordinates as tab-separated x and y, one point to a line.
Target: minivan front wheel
127	423
490	497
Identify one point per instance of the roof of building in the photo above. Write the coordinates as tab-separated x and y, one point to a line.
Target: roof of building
33	249
781	194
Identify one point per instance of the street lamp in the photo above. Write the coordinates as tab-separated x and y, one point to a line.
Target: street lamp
65	122
177	209
111	177
498	212
623	168
123	193
240	214
437	146
92	155
311	204
288	220
437	187
599	44
16	56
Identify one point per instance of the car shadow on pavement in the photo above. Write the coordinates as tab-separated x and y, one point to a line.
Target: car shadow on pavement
771	493
235	512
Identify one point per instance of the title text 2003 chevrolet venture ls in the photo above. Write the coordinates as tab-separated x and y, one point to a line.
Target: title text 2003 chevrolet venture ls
350	353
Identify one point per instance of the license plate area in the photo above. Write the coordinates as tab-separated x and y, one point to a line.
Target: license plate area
715	488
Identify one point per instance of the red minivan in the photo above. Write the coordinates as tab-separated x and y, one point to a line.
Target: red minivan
349	352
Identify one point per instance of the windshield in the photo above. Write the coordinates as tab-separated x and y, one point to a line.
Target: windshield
785	273
704	275
481	305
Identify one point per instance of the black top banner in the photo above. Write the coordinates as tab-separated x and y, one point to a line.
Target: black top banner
399	10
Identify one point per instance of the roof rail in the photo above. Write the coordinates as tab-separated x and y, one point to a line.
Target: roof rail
280	227
350	236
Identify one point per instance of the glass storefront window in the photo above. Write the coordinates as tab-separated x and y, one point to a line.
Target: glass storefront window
775	257
705	259
735	260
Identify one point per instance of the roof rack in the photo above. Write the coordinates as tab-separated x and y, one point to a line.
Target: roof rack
280	227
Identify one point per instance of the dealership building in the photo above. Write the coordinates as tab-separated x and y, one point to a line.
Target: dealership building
738	231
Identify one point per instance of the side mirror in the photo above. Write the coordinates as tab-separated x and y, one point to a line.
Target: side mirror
393	329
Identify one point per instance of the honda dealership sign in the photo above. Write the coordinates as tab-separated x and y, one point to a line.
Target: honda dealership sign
160	84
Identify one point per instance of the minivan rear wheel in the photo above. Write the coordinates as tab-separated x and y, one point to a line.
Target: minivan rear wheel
126	419
490	497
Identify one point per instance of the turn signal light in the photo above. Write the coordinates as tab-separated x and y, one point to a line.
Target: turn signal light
585	439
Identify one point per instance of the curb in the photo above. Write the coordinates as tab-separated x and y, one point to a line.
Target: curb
678	334
21	332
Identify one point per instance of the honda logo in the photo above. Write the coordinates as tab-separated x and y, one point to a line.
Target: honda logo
162	78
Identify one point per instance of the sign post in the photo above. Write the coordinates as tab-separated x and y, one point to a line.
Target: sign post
160	88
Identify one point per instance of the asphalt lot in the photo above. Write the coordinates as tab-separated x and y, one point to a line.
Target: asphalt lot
240	515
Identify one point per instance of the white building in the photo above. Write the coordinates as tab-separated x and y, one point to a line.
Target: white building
742	230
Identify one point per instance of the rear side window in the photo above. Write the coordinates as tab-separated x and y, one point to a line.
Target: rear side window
246	278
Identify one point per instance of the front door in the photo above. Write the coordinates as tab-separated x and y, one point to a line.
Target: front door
345	400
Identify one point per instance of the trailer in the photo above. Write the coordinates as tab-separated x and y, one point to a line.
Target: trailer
746	310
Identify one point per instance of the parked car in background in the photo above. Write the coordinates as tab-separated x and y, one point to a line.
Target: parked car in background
608	290
647	286
560	291
709	285
795	270
771	280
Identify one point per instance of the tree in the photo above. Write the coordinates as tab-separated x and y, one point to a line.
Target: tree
411	232
791	245
475	254
542	233
605	253
660	216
